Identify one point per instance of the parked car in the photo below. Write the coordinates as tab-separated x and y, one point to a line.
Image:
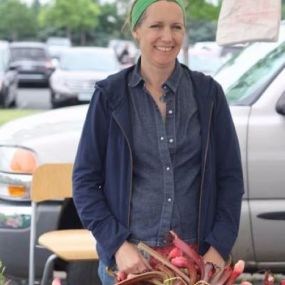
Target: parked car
78	70
208	57
32	61
254	85
8	77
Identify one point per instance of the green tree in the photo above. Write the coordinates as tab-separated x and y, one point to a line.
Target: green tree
74	16
201	10
17	20
201	20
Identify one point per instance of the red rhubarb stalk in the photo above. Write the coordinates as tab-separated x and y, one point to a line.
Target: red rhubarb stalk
237	271
174	253
216	276
227	271
163	260
189	252
268	278
183	262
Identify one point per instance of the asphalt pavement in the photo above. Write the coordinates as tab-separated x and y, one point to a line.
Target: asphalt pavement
33	98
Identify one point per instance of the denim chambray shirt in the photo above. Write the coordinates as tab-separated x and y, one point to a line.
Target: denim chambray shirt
167	161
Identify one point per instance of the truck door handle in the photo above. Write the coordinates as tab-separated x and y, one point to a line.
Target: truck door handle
277	216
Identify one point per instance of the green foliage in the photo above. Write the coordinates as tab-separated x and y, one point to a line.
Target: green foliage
17	21
201	20
200	31
74	16
201	10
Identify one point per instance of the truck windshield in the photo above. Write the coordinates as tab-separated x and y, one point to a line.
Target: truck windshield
250	71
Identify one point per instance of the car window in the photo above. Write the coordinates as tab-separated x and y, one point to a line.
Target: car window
255	78
245	75
88	61
28	53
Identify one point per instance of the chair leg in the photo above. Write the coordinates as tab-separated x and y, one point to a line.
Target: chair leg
48	269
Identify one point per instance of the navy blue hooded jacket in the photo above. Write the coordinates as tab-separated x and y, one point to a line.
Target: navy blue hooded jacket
102	176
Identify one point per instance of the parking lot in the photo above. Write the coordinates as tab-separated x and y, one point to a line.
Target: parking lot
33	98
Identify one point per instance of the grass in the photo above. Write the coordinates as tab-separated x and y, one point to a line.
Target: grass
7	115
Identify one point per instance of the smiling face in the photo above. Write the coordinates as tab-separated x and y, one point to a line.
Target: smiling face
160	34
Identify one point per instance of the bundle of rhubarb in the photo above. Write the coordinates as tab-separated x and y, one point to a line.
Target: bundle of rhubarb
182	265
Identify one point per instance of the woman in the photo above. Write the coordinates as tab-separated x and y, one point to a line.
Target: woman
158	152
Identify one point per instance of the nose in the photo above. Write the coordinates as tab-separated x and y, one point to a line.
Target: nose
166	34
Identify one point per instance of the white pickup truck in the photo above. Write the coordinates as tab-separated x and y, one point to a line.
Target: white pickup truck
254	83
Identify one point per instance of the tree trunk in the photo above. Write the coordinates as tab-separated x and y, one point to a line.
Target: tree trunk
83	38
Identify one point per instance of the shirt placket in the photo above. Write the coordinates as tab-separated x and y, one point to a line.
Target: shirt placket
166	137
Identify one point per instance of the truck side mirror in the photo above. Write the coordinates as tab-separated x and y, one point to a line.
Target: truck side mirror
280	105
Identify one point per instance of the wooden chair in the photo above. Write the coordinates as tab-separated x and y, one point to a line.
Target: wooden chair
53	182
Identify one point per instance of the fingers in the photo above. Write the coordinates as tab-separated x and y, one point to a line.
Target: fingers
130	260
146	263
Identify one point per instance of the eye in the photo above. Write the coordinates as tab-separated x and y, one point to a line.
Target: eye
178	27
155	26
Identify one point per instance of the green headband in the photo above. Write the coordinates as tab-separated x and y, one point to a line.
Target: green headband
141	5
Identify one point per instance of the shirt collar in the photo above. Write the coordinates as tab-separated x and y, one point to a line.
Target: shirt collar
172	82
135	76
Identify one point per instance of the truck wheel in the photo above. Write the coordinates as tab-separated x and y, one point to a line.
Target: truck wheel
83	273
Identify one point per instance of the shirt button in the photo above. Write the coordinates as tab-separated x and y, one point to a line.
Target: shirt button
167	168
161	138
171	140
170	112
169	200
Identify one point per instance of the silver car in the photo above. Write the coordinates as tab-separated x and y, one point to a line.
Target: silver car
32	62
254	85
78	70
8	77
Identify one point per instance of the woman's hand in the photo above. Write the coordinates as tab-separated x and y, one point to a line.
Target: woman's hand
212	255
130	260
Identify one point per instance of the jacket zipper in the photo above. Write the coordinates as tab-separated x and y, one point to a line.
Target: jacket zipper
131	179
203	175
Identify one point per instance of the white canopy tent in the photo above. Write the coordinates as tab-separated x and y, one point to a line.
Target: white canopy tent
243	21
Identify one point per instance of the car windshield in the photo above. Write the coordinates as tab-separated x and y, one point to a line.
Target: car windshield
205	64
250	71
244	76
27	53
88	61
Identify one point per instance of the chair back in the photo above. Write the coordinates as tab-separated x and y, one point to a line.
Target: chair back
52	181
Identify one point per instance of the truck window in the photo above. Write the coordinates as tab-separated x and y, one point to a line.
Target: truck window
244	77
